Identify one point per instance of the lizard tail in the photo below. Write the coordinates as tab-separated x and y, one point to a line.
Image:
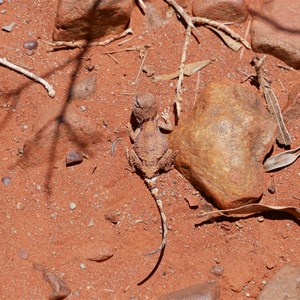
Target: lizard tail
151	185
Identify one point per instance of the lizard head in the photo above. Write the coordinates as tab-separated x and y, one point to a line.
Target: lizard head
145	107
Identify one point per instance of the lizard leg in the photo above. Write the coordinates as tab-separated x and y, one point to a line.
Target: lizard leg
166	124
165	163
133	160
133	133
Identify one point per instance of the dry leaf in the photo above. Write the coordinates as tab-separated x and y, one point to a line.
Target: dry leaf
188	70
283	137
281	160
252	209
229	41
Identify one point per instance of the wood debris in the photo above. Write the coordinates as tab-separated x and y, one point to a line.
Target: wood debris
48	87
188	70
281	160
252	209
283	137
57	45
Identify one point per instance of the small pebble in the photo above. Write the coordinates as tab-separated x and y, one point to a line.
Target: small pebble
53	215
112	217
90	67
9	27
91	223
260	219
3	11
72	205
31	44
23	254
82	108
271	189
217	270
82	266
74	157
6	180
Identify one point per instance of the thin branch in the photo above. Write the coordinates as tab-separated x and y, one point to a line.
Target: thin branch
220	26
142	64
82	43
48	87
181	12
178	96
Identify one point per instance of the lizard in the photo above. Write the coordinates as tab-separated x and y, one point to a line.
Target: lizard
150	153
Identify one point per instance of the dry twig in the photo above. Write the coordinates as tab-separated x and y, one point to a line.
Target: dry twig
82	43
48	87
144	56
283	137
178	95
222	27
181	12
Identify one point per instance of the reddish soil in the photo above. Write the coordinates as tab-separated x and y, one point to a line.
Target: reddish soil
35	207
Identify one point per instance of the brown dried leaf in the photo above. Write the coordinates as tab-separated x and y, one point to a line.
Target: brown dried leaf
281	160
228	40
253	209
188	70
283	137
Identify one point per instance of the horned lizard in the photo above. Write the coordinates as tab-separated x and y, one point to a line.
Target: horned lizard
151	153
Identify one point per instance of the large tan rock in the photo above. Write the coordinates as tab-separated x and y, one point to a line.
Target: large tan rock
76	20
222	144
275	30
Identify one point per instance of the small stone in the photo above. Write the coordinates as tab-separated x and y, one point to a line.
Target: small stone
9	27
74	157
260	219
82	108
3	11
193	201
91	223
72	205
60	289
89	67
31	44
208	290
84	88
53	215
217	270
82	266
112	217
101	255
271	189
23	254
1	2
6	180
270	265
149	70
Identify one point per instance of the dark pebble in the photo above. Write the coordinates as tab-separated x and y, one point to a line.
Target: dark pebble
74	158
31	44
